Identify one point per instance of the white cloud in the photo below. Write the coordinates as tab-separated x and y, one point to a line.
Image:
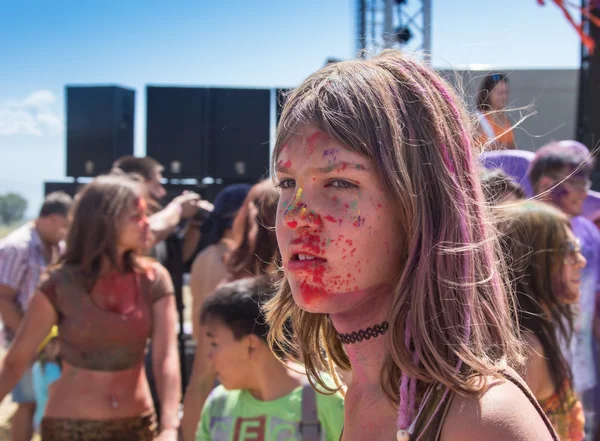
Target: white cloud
35	115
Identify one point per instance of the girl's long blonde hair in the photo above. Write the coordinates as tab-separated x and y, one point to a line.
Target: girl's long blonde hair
450	307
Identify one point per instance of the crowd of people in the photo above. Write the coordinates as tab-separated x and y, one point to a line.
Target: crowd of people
397	278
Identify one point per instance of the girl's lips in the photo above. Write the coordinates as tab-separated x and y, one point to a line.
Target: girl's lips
311	265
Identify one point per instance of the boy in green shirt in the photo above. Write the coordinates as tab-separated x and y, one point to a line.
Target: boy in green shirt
259	398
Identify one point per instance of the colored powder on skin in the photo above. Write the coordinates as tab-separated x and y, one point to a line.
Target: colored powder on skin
315	218
341	166
292	224
330	218
330	152
118	292
311	216
316	288
311	242
287	164
311	292
359	221
312	140
295	205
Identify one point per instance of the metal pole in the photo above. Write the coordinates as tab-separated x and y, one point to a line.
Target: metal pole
427	30
388	24
361	43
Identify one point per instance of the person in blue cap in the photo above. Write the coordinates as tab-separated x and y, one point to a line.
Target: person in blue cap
209	269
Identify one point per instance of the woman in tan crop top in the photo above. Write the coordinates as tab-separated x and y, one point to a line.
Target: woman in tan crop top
107	302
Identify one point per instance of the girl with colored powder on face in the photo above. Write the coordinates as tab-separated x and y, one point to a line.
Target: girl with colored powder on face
107	301
411	298
545	262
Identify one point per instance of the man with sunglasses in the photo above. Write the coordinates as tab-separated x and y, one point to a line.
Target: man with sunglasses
560	175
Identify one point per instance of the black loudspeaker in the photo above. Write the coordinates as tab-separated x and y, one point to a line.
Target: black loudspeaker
71	188
239	128
199	132
100	122
176	130
281	96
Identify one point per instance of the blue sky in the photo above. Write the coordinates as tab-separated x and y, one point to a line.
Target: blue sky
45	45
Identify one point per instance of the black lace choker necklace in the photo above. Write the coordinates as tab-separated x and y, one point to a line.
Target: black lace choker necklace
364	334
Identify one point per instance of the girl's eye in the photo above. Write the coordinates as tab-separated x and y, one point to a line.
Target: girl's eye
286	183
341	184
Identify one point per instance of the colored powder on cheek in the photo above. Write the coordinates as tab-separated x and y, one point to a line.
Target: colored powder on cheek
315	218
330	218
292	224
359	221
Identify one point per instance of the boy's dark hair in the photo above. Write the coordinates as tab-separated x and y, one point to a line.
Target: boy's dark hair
554	158
496	184
57	202
239	306
145	167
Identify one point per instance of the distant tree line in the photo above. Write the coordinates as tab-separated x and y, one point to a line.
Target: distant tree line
12	208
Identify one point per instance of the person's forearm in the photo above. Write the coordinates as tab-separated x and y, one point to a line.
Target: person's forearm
11	373
163	223
168	382
10	313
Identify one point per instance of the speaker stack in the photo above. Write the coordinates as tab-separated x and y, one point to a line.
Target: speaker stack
209	132
100	123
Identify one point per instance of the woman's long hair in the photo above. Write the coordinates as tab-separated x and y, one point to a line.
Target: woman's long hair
534	235
488	83
257	250
94	234
449	301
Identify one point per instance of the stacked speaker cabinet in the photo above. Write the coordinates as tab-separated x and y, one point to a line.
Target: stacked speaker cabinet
71	188
176	129
200	132
239	124
281	97
100	123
